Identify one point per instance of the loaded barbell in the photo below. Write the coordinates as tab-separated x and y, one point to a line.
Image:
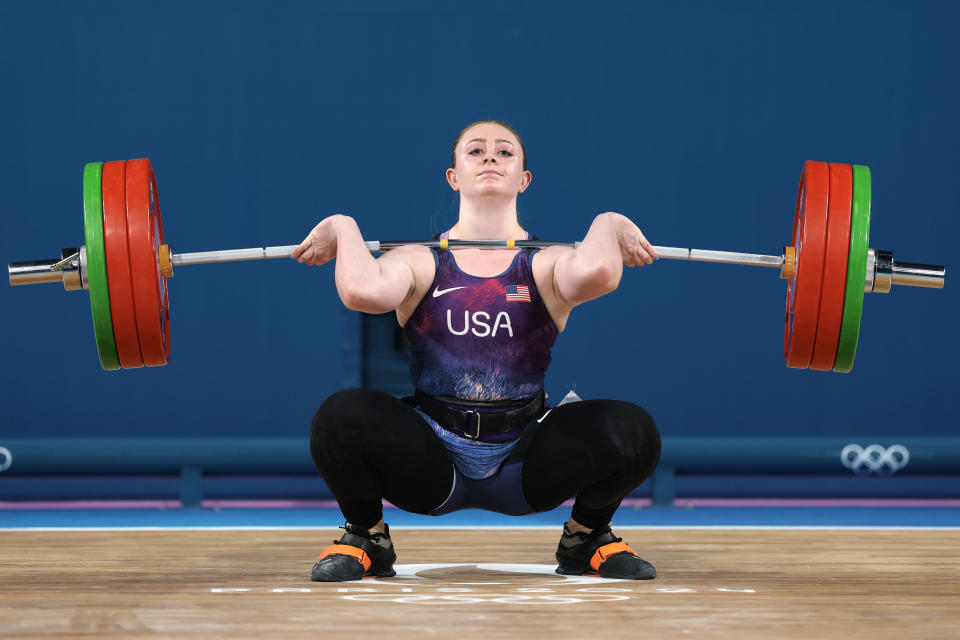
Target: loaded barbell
125	264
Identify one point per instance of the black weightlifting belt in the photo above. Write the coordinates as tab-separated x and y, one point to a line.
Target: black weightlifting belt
474	423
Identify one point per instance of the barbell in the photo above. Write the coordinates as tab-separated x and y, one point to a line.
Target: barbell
125	264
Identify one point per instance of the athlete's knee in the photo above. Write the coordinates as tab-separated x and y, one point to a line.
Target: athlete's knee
335	423
635	435
335	412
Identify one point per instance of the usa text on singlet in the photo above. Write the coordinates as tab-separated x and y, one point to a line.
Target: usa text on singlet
480	338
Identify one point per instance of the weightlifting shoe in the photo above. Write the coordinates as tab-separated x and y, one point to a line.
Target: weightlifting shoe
600	552
357	554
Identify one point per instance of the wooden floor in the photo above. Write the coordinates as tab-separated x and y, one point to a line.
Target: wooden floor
740	584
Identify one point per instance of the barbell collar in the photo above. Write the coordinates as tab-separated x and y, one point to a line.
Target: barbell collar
73	265
69	258
883	274
871	270
84	282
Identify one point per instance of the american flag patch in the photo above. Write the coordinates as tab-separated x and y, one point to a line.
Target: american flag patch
518	293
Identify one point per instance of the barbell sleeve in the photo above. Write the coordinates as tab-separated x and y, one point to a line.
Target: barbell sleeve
919	275
66	269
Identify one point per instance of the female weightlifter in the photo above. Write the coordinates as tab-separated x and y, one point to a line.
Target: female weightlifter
480	324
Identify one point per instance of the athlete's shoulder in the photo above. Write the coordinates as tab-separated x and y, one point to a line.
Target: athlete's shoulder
419	258
410	250
545	259
422	263
542	268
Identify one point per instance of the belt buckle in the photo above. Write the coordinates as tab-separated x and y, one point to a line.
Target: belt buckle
473	436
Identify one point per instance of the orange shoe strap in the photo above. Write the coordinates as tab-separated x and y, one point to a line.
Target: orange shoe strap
347	550
607	550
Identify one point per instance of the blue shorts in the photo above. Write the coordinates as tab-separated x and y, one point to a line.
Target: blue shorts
502	492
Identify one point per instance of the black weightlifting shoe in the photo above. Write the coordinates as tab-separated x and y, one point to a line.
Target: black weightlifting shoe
600	552
357	554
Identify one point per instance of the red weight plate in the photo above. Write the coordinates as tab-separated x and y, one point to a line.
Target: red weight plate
810	240
122	312
834	268
145	235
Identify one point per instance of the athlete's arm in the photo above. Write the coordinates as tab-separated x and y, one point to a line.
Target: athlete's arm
594	268
363	282
567	277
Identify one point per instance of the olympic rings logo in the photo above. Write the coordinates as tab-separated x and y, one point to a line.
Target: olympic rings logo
6	459
875	459
487	598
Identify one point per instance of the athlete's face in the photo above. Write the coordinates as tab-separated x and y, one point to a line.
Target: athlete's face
489	162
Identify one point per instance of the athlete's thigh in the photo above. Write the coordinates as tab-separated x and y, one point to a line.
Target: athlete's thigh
582	443
382	430
368	444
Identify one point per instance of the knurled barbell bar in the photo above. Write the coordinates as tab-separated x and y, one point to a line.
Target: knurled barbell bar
125	264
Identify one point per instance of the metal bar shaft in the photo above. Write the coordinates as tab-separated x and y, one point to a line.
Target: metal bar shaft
725	257
232	255
670	253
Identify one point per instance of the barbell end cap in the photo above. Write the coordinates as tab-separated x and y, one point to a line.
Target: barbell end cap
789	263
166	264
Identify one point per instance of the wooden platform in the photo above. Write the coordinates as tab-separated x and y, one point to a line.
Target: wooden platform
741	584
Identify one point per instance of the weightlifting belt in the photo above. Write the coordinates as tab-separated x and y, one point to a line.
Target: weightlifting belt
474	423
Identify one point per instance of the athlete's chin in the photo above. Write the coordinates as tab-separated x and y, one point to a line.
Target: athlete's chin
496	191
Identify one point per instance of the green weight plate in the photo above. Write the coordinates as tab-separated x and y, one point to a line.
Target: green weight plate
856	270
97	265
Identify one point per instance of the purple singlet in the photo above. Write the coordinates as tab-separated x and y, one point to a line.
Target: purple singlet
478	338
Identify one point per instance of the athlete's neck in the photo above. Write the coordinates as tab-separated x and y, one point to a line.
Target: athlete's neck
488	221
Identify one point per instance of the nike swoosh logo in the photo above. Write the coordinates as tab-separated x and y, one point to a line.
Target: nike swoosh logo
439	292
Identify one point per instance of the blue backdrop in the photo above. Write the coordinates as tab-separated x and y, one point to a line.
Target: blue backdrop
693	118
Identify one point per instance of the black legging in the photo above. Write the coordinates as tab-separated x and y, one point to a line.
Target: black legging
369	445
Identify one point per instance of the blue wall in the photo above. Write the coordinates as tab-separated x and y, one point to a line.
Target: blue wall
693	118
